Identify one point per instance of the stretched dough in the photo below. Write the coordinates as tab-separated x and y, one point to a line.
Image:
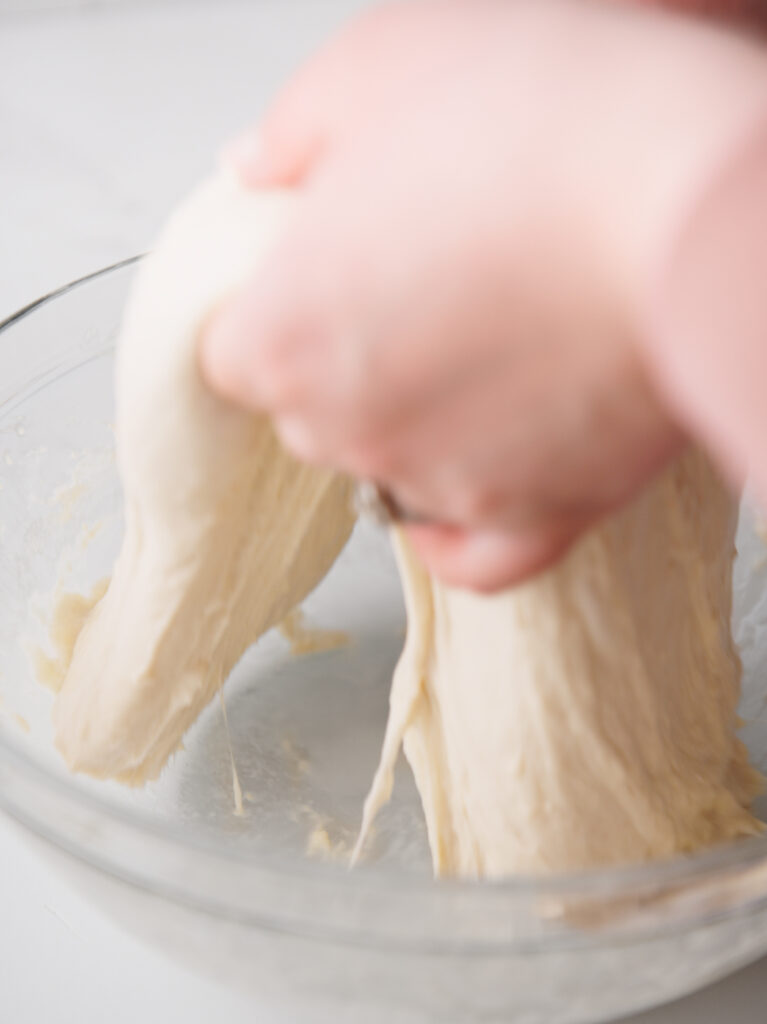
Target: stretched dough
587	717
224	531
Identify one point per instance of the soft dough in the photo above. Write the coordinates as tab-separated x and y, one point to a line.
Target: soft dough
224	532
587	717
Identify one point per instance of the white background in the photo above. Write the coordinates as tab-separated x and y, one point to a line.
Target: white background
108	112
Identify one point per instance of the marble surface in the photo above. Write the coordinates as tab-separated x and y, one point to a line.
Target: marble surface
109	110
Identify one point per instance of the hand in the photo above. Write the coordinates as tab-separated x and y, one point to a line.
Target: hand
487	192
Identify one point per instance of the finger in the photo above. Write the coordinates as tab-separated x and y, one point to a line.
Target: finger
487	560
292	133
254	353
262	160
280	151
368	72
308	304
329	91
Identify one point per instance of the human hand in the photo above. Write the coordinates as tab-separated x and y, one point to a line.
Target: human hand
486	192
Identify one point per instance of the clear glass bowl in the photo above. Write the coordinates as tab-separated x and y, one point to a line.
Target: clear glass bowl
239	896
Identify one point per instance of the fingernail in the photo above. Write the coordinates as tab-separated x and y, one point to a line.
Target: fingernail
298	437
246	155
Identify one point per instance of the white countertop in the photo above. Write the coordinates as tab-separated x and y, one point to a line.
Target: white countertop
108	112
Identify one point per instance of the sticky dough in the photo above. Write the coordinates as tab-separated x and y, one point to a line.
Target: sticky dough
224	532
587	717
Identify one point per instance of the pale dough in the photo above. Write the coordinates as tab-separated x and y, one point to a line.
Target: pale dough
587	717
70	612
224	531
304	639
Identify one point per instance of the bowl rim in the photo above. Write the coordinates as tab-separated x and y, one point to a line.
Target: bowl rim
633	888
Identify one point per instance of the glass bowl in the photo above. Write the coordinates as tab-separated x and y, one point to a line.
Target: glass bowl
265	900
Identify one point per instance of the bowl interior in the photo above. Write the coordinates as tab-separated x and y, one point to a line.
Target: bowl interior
305	729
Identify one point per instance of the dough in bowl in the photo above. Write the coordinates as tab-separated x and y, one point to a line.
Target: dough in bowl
585	718
224	531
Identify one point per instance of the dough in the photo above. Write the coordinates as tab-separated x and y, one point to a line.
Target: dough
304	639
224	532
70	612
587	717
